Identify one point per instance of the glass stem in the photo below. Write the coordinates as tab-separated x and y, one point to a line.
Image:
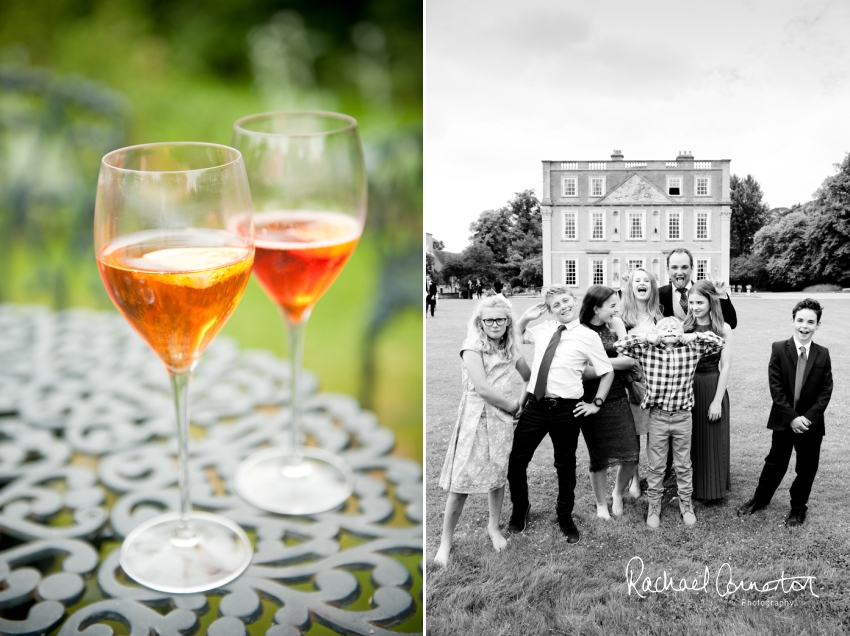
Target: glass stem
180	382
296	329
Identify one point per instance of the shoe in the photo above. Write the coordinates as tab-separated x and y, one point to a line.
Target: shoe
687	511
750	507
518	522
795	518
569	529
653	515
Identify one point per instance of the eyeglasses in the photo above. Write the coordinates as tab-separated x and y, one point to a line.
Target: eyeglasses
499	321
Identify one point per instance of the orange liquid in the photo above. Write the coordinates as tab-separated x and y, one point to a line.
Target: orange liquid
176	290
299	255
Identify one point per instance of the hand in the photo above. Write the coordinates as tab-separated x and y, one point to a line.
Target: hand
719	285
687	338
714	410
800	424
534	312
584	409
652	338
516	407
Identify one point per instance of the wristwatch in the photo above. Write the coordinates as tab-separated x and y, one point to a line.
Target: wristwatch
598	401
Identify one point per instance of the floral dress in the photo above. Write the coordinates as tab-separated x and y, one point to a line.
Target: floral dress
480	445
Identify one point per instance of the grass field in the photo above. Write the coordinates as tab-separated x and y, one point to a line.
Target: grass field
542	585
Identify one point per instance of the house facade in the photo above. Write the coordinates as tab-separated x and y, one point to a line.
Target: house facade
603	218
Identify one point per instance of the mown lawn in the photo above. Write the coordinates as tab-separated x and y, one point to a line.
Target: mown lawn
542	585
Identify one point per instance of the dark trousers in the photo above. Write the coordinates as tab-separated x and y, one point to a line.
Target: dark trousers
555	418
807	446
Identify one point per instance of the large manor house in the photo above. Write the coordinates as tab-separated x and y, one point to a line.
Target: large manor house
604	218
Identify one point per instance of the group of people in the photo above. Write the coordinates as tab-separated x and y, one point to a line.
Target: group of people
654	362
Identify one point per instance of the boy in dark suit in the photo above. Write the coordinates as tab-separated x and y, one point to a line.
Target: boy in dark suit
800	378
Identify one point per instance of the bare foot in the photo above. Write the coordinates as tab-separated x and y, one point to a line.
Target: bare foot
602	511
442	558
617	503
634	489
499	542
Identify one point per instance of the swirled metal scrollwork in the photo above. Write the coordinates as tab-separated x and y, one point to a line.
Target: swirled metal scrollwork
87	453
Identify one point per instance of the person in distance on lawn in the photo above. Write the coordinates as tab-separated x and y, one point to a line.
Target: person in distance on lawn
800	378
669	358
477	455
562	349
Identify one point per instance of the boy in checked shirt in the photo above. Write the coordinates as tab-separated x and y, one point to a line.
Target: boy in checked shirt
669	358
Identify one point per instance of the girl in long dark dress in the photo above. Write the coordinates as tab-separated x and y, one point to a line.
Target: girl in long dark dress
710	445
610	433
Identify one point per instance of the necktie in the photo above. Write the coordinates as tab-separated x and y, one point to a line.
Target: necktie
546	362
798	380
683	300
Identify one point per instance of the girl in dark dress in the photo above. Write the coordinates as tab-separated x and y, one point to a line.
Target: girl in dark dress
710	434
610	434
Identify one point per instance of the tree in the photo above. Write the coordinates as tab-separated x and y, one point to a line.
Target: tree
439	245
513	233
829	239
783	247
749	213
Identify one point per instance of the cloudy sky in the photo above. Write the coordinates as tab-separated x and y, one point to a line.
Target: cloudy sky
761	82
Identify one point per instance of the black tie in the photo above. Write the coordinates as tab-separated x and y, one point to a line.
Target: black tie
546	362
798	380
683	300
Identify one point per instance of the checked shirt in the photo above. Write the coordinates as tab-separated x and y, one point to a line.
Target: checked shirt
669	372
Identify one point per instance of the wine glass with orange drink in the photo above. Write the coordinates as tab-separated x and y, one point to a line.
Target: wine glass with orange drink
308	185
174	243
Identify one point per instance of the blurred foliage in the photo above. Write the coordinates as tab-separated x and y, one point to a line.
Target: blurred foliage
79	78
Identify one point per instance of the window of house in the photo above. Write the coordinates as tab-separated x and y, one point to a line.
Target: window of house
674	186
702	225
597	186
635	263
702	268
597	271
571	272
597	222
674	225
703	186
570	229
570	186
635	226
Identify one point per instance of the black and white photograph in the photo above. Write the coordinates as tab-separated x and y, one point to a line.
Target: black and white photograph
637	277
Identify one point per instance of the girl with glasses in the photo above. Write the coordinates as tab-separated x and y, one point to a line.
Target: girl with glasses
480	444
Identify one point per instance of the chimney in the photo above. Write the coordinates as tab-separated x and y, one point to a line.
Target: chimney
617	156
684	154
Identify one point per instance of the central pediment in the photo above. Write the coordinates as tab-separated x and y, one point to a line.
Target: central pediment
635	189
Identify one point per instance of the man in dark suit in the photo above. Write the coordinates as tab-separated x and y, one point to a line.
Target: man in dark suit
800	378
431	297
674	296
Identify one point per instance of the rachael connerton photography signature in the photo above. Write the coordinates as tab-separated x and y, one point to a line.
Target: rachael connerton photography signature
724	582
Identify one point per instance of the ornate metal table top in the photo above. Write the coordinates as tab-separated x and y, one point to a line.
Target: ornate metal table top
87	452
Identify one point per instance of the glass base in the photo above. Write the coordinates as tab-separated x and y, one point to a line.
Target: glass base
162	555
271	480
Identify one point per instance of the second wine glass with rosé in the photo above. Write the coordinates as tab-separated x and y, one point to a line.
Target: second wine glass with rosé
308	185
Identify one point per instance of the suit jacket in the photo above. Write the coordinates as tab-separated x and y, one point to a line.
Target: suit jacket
815	393
665	297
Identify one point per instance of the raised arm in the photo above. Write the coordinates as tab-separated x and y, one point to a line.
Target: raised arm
532	313
632	346
475	368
